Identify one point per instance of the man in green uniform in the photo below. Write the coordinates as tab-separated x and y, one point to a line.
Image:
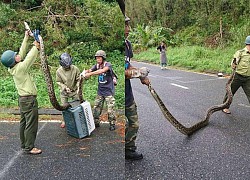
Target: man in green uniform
68	80
19	66
242	75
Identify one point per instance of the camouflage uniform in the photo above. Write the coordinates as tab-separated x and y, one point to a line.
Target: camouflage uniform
99	101
132	124
105	92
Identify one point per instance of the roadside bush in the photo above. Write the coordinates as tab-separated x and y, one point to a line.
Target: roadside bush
6	13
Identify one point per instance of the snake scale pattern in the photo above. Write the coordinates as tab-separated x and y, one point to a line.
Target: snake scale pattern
190	130
185	130
49	81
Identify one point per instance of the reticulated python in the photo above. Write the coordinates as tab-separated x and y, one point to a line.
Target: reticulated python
170	117
165	111
49	81
201	124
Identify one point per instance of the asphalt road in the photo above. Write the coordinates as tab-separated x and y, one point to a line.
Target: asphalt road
99	156
219	151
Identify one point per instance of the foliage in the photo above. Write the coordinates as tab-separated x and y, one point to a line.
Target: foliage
5	14
65	22
195	22
195	58
79	27
145	36
8	96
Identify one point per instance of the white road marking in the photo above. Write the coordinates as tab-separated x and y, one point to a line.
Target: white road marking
44	121
201	80
177	85
12	160
177	79
165	77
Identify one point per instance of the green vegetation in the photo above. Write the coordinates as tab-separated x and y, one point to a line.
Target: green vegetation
192	58
201	35
9	96
209	23
79	27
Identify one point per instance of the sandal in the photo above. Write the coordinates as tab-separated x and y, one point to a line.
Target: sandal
34	151
227	111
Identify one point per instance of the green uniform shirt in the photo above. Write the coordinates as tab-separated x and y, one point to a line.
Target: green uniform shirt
243	58
68	78
23	81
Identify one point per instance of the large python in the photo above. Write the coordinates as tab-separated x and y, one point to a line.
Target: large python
170	117
47	75
190	130
49	81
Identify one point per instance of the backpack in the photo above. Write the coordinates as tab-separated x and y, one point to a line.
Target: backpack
113	75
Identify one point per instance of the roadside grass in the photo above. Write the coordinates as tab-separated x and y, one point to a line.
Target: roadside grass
9	95
195	58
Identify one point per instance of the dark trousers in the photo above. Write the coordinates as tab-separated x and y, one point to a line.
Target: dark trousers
240	81
29	121
132	127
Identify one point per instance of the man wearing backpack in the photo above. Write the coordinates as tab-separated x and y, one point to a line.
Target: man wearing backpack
241	61
106	89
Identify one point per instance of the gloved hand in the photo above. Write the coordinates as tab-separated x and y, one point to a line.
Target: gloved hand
67	90
145	81
136	73
144	72
36	34
83	73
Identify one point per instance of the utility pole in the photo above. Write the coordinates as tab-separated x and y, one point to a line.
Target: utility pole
221	27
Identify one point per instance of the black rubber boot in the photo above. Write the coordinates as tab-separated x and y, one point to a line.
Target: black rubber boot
97	125
112	127
133	155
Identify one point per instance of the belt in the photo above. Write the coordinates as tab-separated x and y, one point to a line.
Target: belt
244	76
27	97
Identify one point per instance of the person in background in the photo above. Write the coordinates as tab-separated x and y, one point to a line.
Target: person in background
68	80
163	57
